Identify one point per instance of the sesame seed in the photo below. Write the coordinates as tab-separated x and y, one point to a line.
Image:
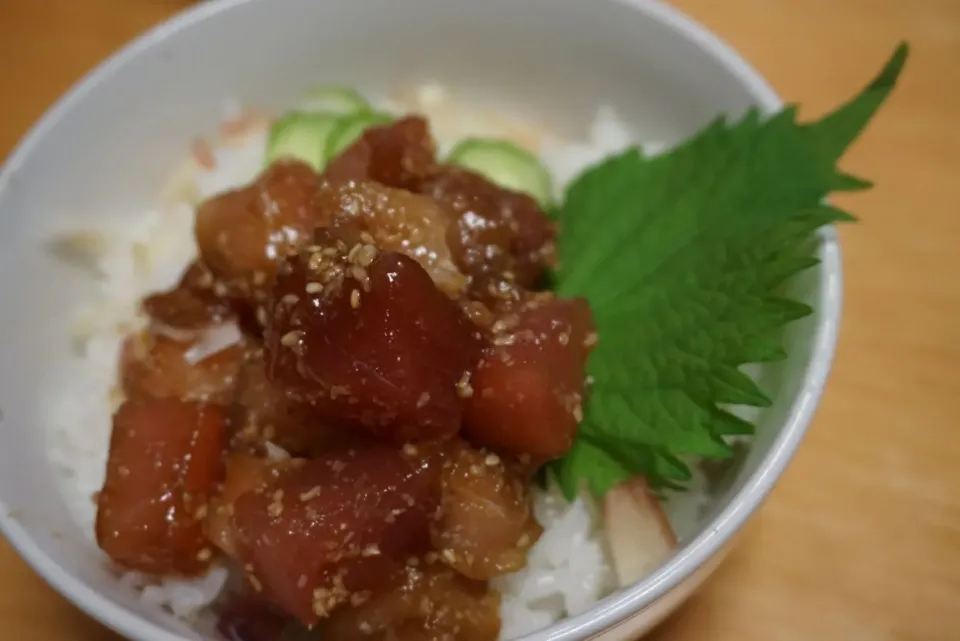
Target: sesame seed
464	389
204	555
325	600
333	286
370	550
416	234
449	556
366	237
334	272
302	581
352	254
311	493
365	255
355	299
410	449
255	582
423	400
314	288
276	507
590	340
578	412
290	299
524	541
564	338
290	338
315	263
502	340
200	512
492	460
360	275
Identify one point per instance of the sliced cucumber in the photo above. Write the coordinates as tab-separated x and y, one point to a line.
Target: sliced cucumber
303	136
334	99
350	128
507	165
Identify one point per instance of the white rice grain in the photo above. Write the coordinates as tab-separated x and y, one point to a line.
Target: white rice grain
567	569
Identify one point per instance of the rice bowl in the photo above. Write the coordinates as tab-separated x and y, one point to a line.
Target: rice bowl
162	239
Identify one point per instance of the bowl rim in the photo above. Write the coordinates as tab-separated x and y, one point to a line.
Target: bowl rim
613	609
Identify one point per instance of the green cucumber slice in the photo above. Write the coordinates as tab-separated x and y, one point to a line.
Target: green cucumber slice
334	99
350	128
507	165
302	136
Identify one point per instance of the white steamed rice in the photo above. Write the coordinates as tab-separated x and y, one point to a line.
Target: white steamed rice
568	568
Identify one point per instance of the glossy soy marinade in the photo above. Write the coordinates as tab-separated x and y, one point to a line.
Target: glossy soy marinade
347	396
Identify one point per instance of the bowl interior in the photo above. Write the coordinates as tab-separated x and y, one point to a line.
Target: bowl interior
106	150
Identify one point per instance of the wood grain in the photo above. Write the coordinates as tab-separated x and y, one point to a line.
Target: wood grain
861	540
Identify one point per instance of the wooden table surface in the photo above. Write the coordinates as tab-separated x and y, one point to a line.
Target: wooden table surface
861	540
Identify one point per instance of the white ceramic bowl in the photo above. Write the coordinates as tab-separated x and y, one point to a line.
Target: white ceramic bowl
110	142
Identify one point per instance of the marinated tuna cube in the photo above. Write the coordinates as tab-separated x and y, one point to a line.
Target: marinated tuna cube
261	412
152	365
498	234
367	337
397	220
485	526
433	604
243	473
398	155
242	234
528	390
164	464
191	305
337	528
